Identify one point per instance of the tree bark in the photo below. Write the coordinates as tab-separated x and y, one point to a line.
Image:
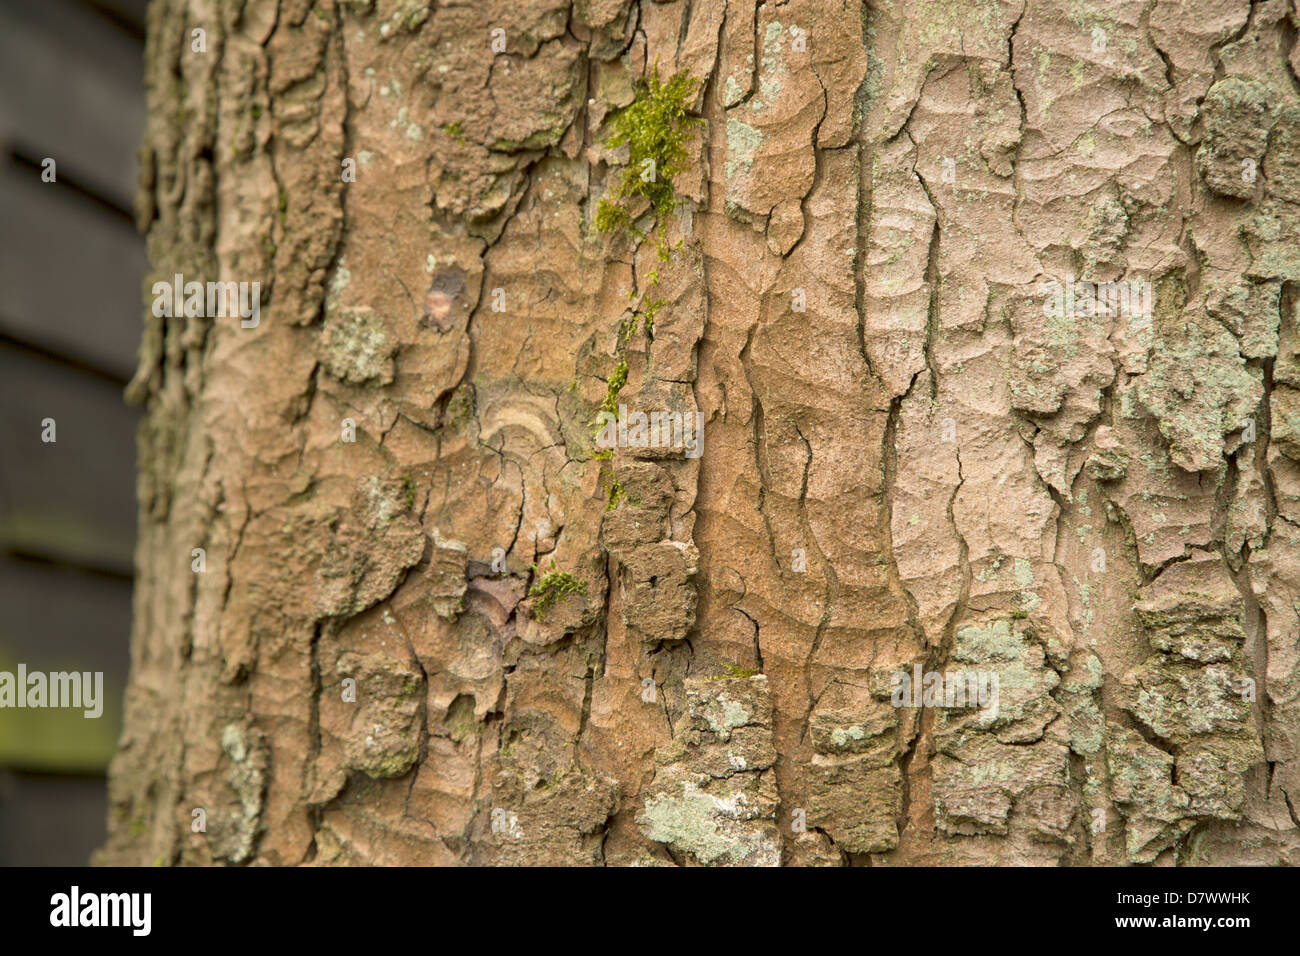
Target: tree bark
905	285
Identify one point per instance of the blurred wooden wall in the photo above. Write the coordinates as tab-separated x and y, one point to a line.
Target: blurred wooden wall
71	273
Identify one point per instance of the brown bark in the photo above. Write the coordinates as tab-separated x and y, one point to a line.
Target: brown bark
911	458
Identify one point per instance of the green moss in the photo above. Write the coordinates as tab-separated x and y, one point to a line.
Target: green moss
555	586
391	765
460	408
616	494
615	385
610	405
651	310
734	672
627	328
655	128
461	719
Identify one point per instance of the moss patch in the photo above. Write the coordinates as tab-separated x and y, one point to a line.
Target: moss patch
655	128
555	586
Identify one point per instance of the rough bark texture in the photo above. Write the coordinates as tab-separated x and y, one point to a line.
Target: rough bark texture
923	467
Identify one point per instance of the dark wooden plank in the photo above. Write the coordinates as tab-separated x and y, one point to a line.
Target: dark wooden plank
48	820
63	619
58	617
73	274
129	15
74	91
73	500
61	739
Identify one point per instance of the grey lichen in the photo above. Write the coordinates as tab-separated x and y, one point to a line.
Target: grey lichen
357	349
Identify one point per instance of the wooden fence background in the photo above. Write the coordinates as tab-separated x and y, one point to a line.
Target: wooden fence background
71	273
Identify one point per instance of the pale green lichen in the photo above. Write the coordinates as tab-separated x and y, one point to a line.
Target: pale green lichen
357	349
743	142
707	827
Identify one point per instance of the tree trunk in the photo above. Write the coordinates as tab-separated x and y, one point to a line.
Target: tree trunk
988	310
